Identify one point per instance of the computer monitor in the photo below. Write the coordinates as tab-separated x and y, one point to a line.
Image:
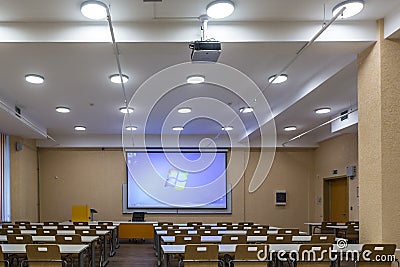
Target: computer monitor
138	217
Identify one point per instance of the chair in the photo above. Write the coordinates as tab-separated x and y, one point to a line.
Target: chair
322	239
98	227
90	232
19	239
207	232
314	255
68	239
246	223
81	223
41	231
235	227
177	232
72	240
32	227
187	239
260	226
165	223
49	223
279	239
201	255
65	227
288	231
8	225
379	255
22	222
9	231
106	223
198	227
223	223
3	262
256	231
234	239
351	234
251	255
194	223
43	255
325	229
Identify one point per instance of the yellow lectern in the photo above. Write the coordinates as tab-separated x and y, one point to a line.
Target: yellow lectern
80	213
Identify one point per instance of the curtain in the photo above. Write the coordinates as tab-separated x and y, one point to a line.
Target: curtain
5	178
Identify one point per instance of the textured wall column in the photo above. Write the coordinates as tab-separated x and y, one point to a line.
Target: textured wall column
379	140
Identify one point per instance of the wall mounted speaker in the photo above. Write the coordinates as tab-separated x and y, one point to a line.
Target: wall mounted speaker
18	146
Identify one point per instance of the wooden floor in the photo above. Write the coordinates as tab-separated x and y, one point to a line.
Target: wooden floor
142	255
130	254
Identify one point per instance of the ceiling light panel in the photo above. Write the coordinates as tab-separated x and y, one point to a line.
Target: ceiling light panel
94	10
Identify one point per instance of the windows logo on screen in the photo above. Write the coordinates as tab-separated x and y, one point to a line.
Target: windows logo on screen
176	179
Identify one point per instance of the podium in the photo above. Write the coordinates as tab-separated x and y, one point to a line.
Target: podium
80	213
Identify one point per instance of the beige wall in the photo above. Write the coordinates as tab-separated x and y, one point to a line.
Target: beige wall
24	178
335	154
95	177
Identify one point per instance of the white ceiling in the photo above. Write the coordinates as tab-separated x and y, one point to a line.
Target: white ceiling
77	72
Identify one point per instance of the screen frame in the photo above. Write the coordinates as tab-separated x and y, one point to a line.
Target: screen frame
178	150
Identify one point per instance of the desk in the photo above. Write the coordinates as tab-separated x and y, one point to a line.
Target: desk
64	249
311	226
230	248
250	239
338	227
52	239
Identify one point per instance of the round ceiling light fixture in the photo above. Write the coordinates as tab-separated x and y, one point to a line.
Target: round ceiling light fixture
282	78
184	110
34	78
323	110
63	110
227	128
195	79
177	128
220	9
245	110
115	78
80	128
95	10
126	110
352	8
131	128
290	128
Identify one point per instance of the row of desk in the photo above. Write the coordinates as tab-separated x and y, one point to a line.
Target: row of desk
277	248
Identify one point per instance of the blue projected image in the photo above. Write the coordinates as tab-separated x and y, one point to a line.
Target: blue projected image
176	179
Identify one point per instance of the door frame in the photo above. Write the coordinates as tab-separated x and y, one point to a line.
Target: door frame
327	196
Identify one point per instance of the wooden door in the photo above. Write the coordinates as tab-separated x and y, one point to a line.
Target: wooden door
339	200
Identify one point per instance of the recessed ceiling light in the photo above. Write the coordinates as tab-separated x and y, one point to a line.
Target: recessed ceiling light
220	9
353	7
115	78
282	78
177	128
126	110
227	128
195	79
290	128
80	128
245	110
184	110
323	110
63	109
34	78
93	9
131	128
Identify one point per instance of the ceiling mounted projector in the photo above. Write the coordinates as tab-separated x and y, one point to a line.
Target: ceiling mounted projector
208	51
